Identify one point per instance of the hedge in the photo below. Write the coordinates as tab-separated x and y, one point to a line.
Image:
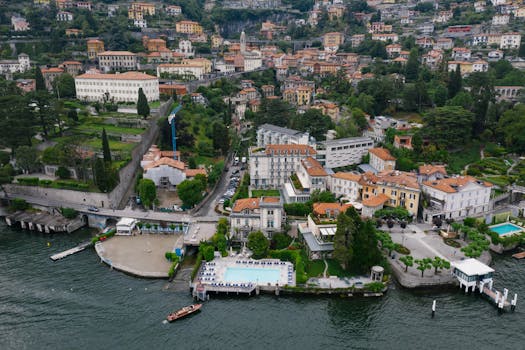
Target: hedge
69	213
295	257
107	235
28	181
61	184
173	267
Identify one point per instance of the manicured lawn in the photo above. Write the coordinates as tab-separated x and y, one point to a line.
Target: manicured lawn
501	181
154	104
265	193
335	269
315	268
109	129
113	145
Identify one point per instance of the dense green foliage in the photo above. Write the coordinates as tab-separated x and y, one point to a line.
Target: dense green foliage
69	213
355	242
147	192
142	104
258	244
191	192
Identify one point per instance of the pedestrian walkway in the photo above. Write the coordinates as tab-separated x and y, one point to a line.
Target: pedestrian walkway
325	268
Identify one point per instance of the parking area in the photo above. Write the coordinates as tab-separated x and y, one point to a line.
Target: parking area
237	173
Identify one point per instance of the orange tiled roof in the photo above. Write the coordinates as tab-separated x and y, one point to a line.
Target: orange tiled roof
401	178
428	169
454	184
271	199
313	167
382	153
194	172
376	200
165	161
245	203
347	176
52	70
289	149
322	208
121	76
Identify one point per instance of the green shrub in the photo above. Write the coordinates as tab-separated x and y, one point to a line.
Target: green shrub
63	172
69	213
280	241
375	287
18	204
45	183
198	263
298	209
28	181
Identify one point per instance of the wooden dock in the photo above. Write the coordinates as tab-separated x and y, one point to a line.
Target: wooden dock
71	251
519	256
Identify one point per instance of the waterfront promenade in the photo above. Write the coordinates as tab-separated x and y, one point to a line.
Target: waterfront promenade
425	243
142	255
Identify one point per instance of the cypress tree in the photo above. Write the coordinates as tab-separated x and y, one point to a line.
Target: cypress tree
142	104
455	82
105	147
40	84
412	67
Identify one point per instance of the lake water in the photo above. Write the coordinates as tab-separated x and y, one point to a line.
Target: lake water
78	303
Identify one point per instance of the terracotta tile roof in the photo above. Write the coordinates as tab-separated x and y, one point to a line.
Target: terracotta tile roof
347	176
382	153
271	199
193	172
400	178
428	169
454	184
290	149
71	62
121	76
245	203
165	161
52	70
376	200
313	167
322	208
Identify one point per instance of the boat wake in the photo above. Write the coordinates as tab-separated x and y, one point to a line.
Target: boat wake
165	321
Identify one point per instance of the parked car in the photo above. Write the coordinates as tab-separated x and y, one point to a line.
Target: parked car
92	208
177	208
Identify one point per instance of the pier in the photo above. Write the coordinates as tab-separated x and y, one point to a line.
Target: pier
43	222
473	274
71	251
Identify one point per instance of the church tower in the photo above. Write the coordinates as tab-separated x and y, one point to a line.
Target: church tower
243	42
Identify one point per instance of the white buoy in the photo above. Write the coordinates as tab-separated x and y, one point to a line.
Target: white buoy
497	297
513	302
433	308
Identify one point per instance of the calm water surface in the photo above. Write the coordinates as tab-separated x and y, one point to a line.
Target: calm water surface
78	303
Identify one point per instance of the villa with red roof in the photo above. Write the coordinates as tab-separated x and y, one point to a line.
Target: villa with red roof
265	214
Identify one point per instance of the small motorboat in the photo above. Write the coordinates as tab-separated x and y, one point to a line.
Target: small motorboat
185	311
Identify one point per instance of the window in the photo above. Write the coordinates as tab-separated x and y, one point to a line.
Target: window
270	212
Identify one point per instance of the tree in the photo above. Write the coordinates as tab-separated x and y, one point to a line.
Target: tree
63	173
220	242
190	192
412	66
147	192
408	260
483	93
510	128
221	137
207	251
258	244
40	83
454	82
274	111
448	126
322	197
106	151
142	105
222	226
72	114
313	121
27	159
423	264
64	86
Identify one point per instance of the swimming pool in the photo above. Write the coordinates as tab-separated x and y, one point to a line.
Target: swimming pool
506	229
255	275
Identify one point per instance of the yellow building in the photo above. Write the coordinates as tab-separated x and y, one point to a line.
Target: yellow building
304	95
188	27
94	47
41	2
216	41
400	187
335	12
333	39
465	67
203	62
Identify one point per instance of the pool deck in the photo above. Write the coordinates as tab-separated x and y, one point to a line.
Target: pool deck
142	255
212	274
